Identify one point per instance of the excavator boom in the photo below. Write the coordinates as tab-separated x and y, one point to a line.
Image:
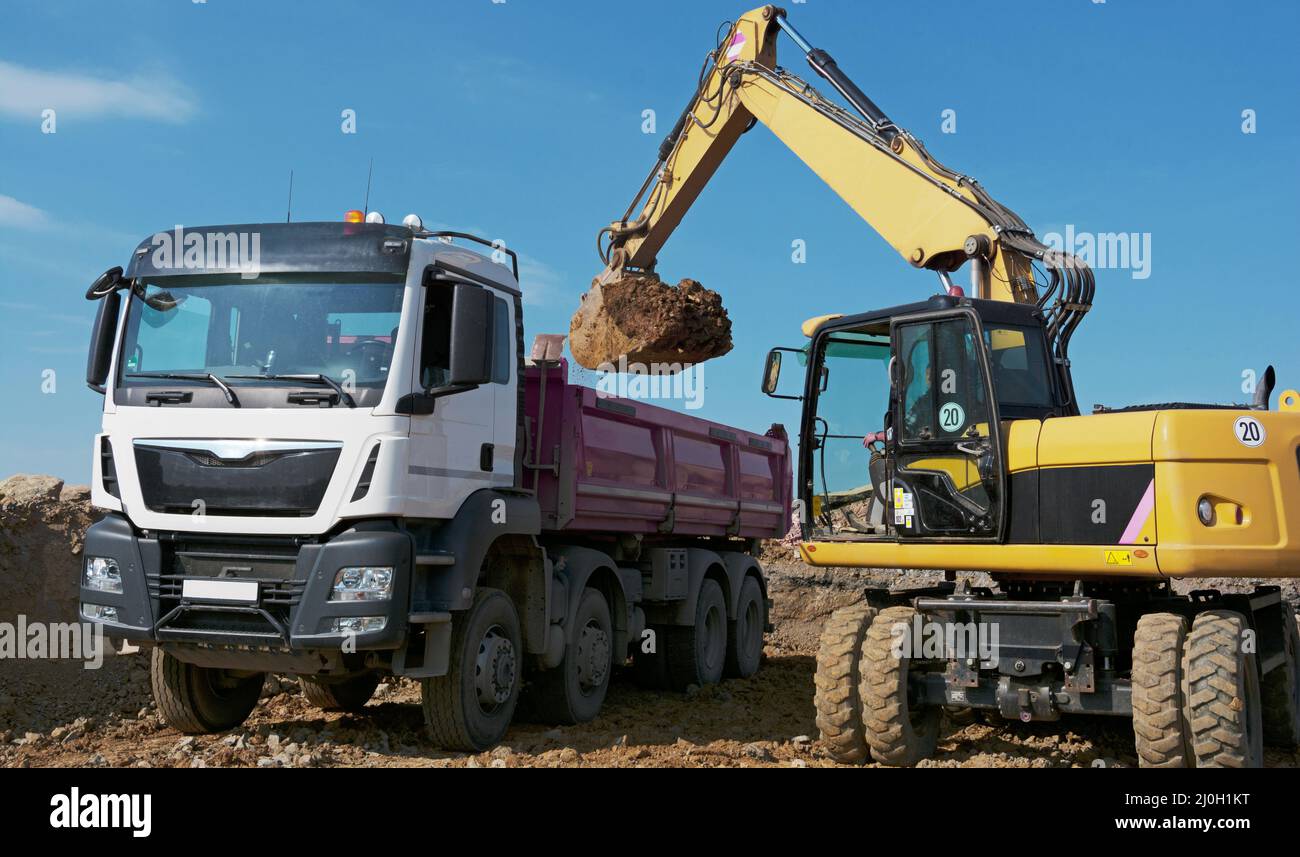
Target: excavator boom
936	219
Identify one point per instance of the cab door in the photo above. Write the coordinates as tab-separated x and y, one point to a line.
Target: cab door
946	458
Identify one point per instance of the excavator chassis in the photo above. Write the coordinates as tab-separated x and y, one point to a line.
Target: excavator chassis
1083	648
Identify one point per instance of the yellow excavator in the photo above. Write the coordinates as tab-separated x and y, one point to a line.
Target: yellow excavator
945	435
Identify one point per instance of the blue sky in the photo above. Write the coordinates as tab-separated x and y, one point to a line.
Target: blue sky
523	120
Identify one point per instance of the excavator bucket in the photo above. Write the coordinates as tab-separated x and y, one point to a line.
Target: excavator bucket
639	318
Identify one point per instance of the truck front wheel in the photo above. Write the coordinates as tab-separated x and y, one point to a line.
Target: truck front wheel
574	691
348	694
471	706
198	700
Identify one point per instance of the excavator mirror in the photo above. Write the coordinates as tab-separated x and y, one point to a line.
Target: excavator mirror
771	371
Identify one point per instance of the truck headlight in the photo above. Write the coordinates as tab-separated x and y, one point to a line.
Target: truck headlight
102	574
1205	511
358	624
364	583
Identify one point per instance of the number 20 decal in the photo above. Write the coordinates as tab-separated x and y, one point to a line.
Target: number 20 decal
952	417
1249	431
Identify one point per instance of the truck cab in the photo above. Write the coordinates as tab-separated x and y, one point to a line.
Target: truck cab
318	459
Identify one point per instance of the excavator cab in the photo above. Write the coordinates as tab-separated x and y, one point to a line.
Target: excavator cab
905	418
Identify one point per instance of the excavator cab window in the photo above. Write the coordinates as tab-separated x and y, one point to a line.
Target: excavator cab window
851	401
945	459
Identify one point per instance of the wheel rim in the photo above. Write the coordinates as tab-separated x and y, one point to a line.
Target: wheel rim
715	638
494	670
593	656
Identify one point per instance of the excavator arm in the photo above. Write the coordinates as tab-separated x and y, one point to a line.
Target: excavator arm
935	218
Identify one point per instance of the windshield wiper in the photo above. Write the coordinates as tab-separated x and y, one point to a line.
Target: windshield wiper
193	376
317	378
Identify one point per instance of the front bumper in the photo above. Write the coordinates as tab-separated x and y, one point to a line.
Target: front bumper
294	577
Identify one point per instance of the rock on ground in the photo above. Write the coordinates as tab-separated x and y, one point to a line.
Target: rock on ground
645	320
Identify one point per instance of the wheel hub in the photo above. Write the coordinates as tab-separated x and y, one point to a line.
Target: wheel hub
593	656
494	669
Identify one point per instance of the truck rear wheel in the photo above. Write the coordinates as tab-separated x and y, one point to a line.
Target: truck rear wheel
574	691
745	633
348	694
198	700
1160	727
899	733
1222	693
697	654
839	707
650	669
1281	689
471	706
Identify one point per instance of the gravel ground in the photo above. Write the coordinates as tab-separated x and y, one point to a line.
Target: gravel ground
54	713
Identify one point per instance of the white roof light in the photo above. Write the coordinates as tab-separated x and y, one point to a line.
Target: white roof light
413	221
374	217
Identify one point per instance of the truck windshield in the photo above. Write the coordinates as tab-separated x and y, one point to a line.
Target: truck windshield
340	327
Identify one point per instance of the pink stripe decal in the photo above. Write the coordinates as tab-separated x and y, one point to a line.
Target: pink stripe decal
1141	515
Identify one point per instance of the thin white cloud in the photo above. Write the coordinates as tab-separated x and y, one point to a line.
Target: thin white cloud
26	92
20	215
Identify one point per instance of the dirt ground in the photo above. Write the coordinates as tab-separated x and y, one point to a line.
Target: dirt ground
54	713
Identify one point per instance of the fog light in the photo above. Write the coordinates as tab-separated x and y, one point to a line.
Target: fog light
365	583
358	624
99	613
1205	511
102	574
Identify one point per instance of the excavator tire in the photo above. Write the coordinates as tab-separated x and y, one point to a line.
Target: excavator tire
839	708
899	734
1221	689
1281	689
1160	726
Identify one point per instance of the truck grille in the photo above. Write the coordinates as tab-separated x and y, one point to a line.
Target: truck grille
185	477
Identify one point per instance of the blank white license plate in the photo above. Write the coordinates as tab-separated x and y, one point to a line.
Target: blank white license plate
219	590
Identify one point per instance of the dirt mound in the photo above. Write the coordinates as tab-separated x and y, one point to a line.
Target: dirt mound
42	525
642	319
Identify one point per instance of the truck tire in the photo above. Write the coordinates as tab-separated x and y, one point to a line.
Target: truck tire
200	700
745	633
1222	693
1281	689
348	694
839	707
898	733
574	691
650	669
697	654
471	707
1160	728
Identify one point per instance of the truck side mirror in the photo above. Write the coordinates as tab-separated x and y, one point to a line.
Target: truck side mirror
472	329
771	371
101	342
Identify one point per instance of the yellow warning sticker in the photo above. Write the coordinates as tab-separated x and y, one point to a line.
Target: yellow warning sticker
1119	558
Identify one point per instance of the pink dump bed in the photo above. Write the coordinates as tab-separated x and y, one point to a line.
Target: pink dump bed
615	465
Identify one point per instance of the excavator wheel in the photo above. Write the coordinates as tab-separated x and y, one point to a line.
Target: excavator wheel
1160	726
898	733
839	708
1281	689
1221	690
